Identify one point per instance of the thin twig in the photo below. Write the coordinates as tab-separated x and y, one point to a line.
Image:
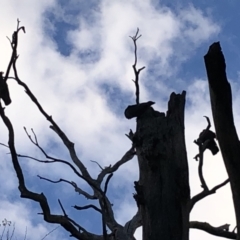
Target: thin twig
50	232
64	212
97	164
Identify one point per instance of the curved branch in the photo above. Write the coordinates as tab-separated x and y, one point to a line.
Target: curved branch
77	189
53	160
106	183
136	222
209	123
87	207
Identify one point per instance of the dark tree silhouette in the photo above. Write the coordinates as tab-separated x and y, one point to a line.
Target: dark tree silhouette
162	191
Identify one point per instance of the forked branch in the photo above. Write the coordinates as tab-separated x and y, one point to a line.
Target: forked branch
136	71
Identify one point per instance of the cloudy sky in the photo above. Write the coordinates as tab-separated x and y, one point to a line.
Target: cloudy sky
76	57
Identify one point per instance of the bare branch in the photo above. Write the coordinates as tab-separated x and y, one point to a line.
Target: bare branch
50	232
136	72
64	212
135	38
106	183
14	44
206	193
53	160
25	193
209	123
127	156
4	145
130	135
63	220
133	224
87	207
200	167
97	164
77	189
217	231
80	191
69	145
107	216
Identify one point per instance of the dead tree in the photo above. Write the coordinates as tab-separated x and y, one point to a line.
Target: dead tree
162	191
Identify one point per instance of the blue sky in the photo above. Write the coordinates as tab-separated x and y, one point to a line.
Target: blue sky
76	56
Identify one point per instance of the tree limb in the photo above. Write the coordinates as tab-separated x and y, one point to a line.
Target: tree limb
132	225
69	145
25	193
206	193
127	156
87	207
217	231
136	72
77	189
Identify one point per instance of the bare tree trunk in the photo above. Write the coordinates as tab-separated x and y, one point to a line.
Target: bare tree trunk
221	102
163	188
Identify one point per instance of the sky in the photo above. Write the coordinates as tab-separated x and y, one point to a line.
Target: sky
76	57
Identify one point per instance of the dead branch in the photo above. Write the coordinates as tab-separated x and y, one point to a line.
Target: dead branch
136	72
69	145
54	160
50	232
14	44
87	207
130	135
77	189
209	123
136	222
97	164
64	212
217	231
106	183
63	220
80	191
25	193
200	167
127	156
206	193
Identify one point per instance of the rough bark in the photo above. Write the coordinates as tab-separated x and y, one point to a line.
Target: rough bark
163	192
221	102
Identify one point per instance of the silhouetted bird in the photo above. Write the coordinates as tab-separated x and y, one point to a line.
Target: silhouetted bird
4	93
137	110
206	138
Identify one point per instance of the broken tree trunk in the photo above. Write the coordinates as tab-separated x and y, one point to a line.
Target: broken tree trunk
221	102
163	189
